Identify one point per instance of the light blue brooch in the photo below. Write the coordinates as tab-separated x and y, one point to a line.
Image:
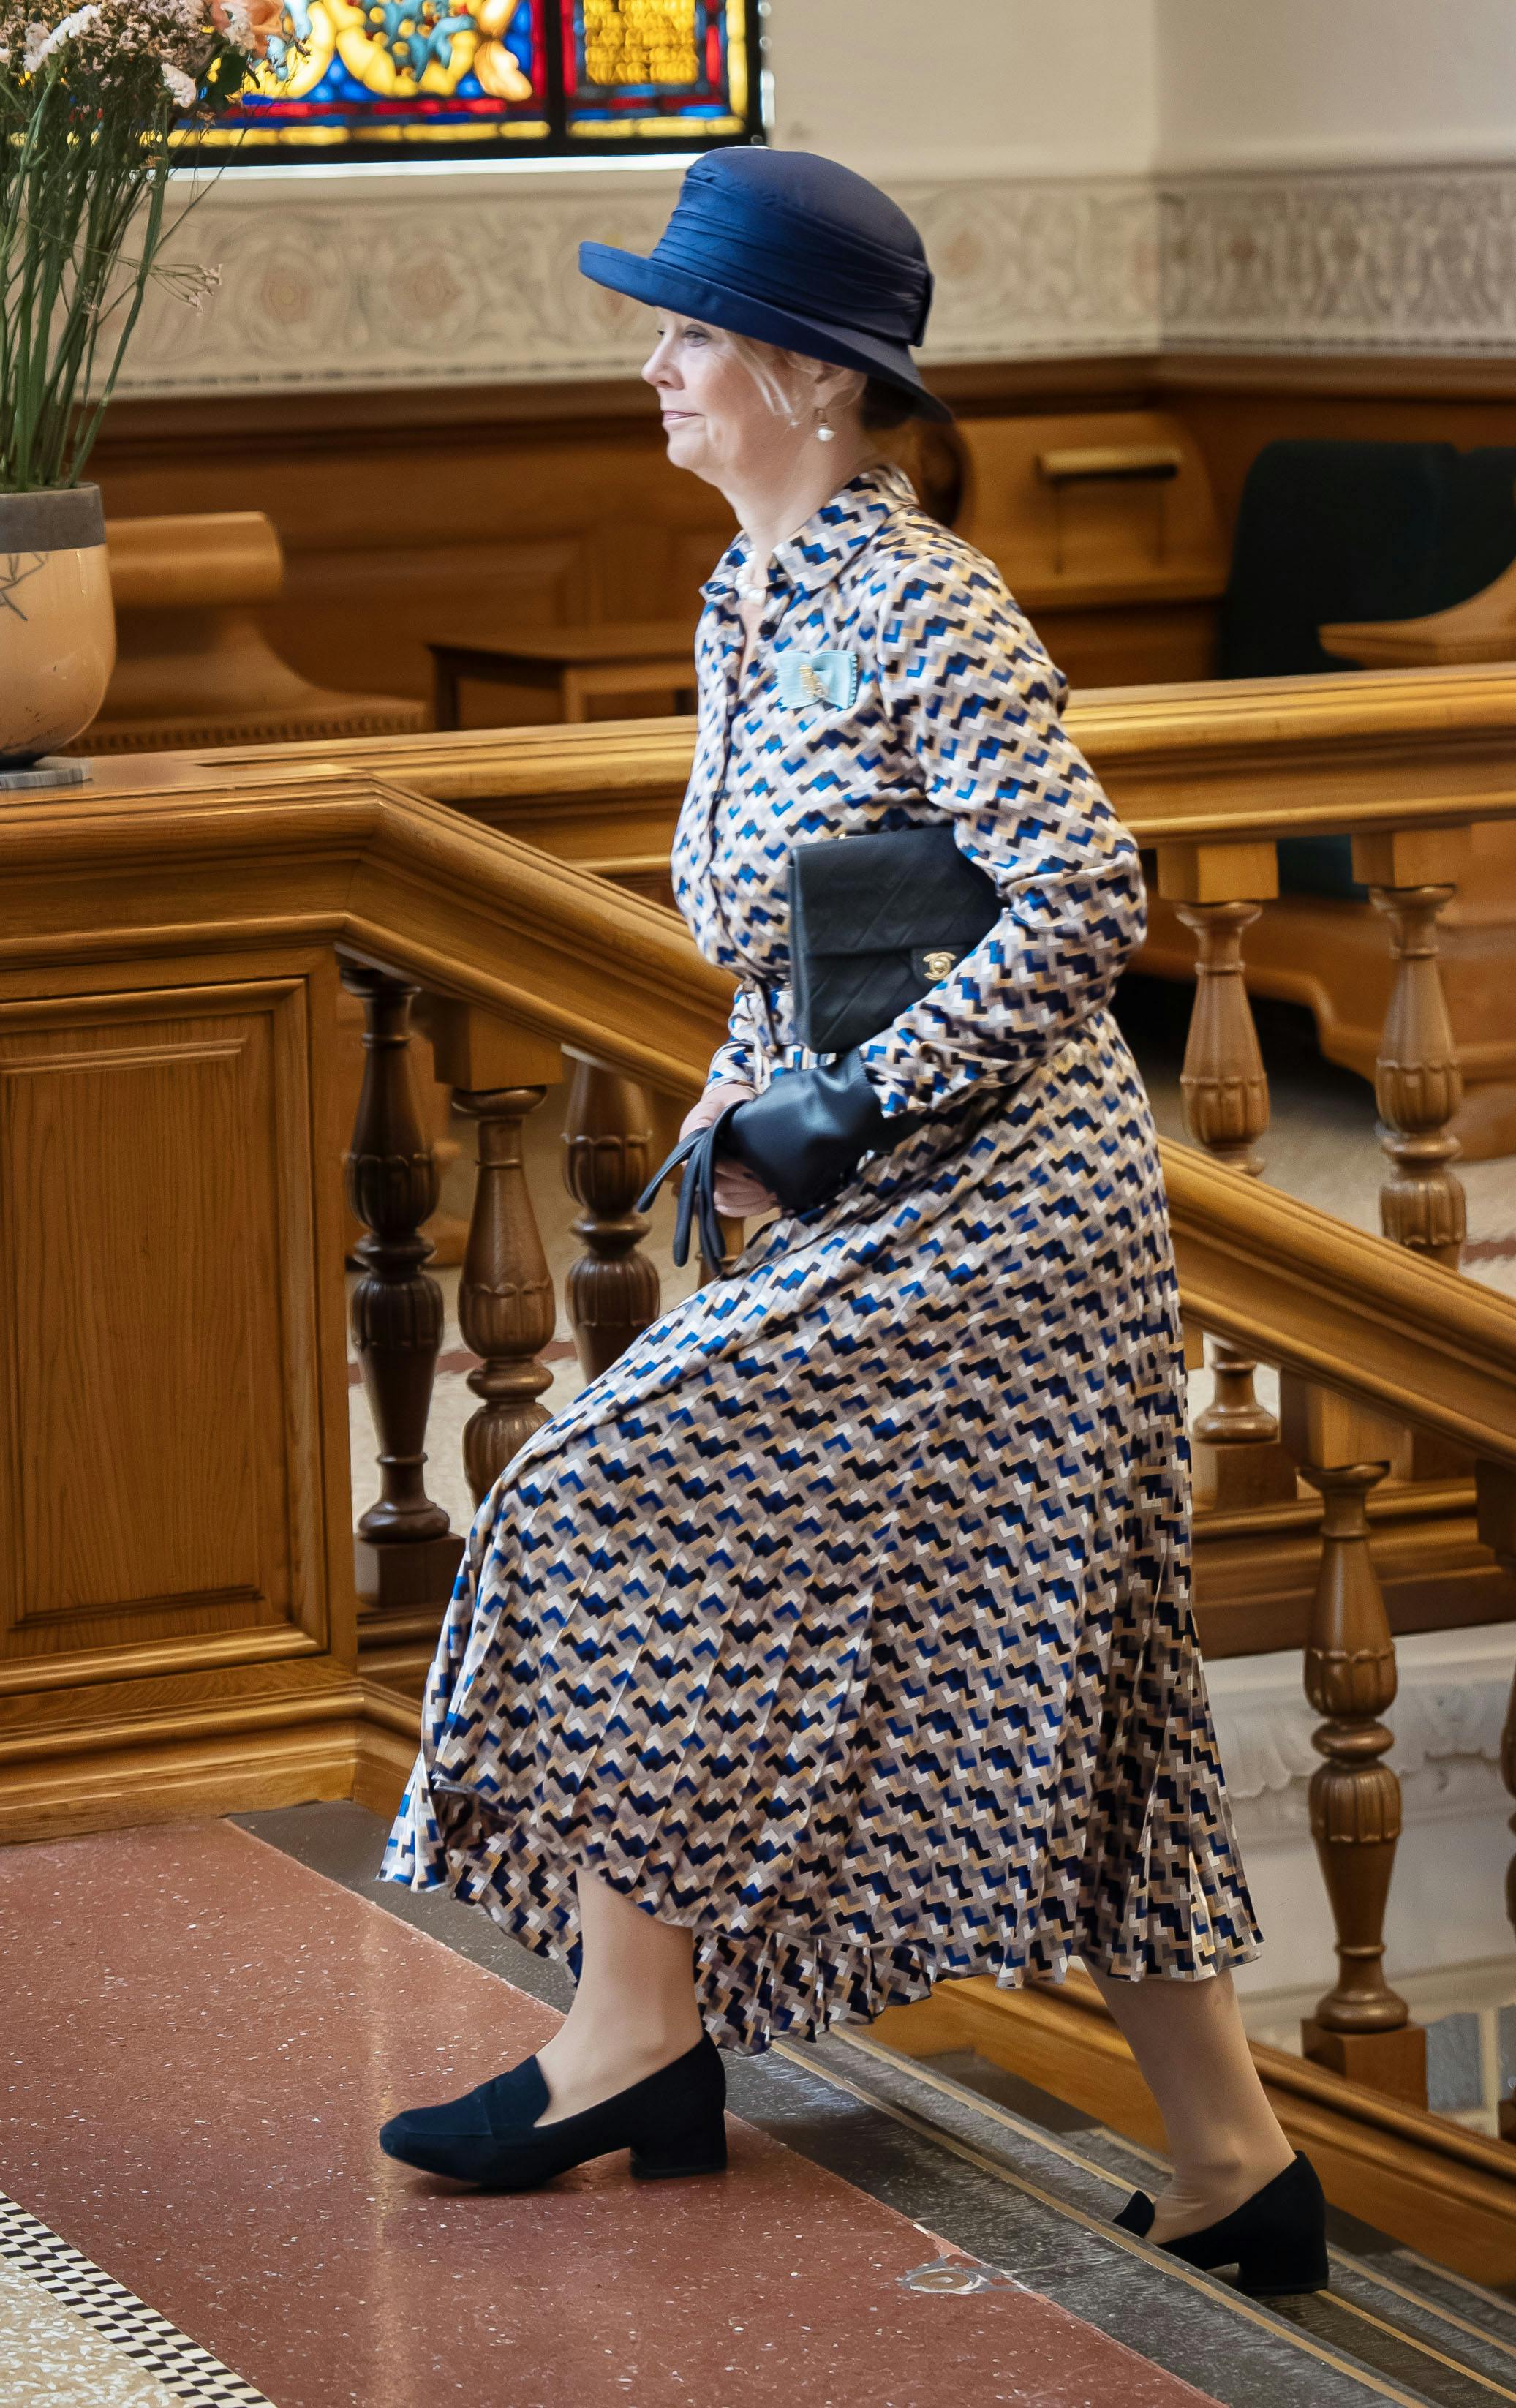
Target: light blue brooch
806	678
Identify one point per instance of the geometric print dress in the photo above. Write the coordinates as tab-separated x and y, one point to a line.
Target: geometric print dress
846	1618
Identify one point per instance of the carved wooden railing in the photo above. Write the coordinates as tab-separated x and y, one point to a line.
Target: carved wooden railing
533	967
1370	1339
1342	1435
1209	779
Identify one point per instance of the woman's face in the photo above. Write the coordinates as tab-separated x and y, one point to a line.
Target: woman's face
719	424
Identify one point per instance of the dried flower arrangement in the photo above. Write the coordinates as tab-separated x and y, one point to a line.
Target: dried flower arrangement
88	97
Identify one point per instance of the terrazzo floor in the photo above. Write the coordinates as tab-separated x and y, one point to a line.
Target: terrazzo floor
204	2037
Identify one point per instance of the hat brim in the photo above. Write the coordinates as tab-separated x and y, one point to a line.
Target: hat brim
718	305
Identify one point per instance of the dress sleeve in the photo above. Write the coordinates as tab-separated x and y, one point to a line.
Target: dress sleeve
738	1058
974	698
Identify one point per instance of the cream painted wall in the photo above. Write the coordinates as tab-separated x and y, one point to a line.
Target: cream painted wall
968	88
1309	84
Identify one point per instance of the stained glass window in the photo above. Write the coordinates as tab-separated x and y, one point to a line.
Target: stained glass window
499	78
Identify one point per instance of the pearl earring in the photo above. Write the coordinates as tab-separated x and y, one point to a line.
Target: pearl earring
825	434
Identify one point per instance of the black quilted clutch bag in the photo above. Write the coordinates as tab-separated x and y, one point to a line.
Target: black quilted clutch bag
875	921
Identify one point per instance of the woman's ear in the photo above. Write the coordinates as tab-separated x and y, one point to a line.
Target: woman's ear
818	385
838	390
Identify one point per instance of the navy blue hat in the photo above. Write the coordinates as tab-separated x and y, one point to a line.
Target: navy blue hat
792	250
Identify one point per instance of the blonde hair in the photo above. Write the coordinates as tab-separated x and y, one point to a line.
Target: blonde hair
778	374
881	405
772	370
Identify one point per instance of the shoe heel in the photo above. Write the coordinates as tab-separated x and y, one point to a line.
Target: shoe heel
695	2148
1282	2267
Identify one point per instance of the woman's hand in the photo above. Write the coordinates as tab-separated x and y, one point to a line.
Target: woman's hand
809	1129
738	1195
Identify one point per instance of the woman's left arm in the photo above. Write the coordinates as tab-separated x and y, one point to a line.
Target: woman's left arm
973	696
976	698
971	692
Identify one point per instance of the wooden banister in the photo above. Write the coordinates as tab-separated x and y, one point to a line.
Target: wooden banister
1252	758
1360	2028
1417	1085
1218	891
153	859
499	1075
613	1287
175	888
406	1553
464	912
1352	1312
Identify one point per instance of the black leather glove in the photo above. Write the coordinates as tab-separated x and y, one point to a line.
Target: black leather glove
697	1190
801	1137
806	1132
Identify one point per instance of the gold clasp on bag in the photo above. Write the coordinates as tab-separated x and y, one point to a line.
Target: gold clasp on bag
939	965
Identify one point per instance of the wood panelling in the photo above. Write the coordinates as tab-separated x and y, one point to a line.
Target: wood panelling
395	524
400	513
1119	501
153	1749
513	506
1256	1569
193	667
160	1389
1136	643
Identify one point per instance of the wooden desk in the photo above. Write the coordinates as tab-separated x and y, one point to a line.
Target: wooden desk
570	665
1484	628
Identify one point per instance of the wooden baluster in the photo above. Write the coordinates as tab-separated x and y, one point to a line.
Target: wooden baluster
406	1554
506	1309
1223	1082
1361	2029
613	1292
499	1075
1495	1490
1218	891
1418	1084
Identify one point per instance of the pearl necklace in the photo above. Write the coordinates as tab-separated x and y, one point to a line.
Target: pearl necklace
752	588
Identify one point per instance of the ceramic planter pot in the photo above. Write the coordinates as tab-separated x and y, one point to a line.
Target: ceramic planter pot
57	628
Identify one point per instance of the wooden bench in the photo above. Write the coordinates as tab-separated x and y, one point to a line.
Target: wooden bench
194	665
569	666
1102	526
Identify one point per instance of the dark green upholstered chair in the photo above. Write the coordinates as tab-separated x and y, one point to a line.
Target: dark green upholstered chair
1332	531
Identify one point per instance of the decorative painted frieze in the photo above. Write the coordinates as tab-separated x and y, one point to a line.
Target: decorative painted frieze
472	278
469	277
1418	260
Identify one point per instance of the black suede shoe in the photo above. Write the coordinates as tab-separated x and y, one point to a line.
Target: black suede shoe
673	2123
1277	2239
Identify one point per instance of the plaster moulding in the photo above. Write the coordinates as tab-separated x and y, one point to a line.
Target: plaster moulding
367	279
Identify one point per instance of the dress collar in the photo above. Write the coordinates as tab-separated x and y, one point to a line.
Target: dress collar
847	521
